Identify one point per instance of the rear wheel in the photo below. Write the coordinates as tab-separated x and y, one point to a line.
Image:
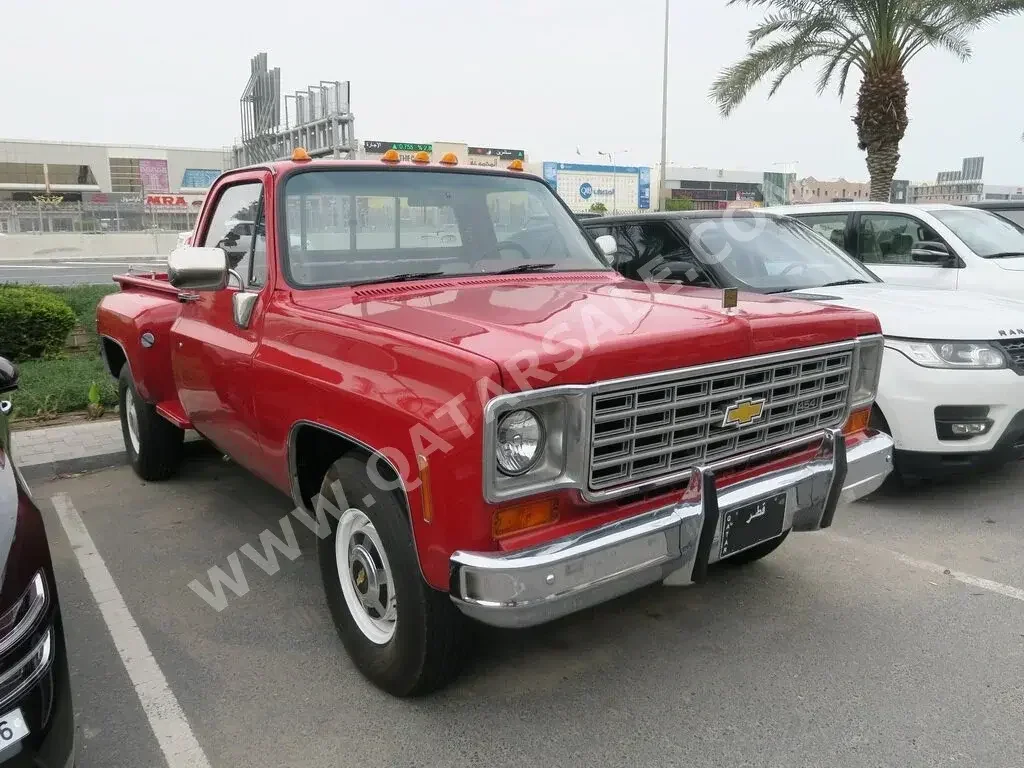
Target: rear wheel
153	443
757	551
404	636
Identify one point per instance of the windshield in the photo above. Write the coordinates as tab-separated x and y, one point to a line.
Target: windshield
352	226
769	254
984	233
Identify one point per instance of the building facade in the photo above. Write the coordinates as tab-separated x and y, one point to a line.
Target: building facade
812	190
713	188
67	187
966	185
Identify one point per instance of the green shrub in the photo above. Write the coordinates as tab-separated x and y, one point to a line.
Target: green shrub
679	204
34	322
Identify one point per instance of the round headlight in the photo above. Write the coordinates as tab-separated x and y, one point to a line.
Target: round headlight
520	442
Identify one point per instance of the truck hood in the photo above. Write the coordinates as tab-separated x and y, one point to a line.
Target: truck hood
921	313
582	328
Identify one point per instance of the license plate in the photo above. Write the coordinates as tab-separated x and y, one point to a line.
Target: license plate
12	729
753	523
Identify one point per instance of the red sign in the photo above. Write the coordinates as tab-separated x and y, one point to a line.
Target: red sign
165	200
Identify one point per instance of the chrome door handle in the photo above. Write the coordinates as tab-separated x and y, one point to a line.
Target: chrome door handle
187	298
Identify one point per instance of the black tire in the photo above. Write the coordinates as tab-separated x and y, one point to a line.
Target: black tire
757	551
426	650
160	442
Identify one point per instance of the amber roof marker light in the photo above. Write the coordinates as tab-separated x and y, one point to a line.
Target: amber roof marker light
449	159
515	165
300	155
421	157
391	156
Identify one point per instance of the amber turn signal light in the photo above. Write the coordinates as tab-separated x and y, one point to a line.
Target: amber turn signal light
522	517
857	422
449	159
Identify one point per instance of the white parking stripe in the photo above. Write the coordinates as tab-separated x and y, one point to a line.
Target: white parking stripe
1006	590
166	718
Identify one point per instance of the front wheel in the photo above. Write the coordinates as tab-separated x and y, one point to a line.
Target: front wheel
153	444
403	635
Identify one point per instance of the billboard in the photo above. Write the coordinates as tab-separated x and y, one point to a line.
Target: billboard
618	187
153	174
199	178
491	157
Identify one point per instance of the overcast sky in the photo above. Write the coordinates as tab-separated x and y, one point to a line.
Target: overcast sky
541	75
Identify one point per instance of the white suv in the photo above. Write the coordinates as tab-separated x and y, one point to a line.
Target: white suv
949	247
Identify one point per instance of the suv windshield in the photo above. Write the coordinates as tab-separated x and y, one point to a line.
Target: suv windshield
984	233
770	254
356	226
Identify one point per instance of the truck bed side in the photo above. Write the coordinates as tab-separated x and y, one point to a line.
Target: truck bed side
144	305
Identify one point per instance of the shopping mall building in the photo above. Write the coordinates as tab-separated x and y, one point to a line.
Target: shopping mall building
65	187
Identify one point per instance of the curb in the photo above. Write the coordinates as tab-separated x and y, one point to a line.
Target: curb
49	470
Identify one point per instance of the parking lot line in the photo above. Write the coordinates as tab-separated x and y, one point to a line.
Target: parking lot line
1016	593
166	717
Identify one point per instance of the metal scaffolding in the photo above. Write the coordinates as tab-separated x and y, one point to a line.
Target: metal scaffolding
318	118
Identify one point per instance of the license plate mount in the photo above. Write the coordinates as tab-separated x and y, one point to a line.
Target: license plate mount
751	524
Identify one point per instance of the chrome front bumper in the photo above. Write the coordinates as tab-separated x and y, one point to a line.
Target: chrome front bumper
678	542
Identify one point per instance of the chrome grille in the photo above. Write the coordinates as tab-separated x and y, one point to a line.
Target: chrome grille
643	431
1015	351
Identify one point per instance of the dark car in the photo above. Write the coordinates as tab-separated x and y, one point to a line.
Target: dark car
37	726
1008	209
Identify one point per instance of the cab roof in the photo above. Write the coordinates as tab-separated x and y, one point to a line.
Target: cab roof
283	167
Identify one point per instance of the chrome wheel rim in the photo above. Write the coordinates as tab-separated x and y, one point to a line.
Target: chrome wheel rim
132	418
365	574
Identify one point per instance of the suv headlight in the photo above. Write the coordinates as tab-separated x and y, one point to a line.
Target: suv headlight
867	366
520	442
949	354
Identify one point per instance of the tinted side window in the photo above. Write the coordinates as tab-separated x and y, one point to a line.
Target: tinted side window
1016	216
885	238
831	226
233	224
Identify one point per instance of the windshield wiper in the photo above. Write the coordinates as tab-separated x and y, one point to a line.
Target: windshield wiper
1005	255
401	278
849	281
525	268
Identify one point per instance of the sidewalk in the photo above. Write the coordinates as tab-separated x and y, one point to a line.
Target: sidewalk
49	451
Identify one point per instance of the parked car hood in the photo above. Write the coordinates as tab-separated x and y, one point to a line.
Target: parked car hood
922	313
1010	264
625	327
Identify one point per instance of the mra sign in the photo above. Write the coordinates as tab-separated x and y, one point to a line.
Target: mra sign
174	200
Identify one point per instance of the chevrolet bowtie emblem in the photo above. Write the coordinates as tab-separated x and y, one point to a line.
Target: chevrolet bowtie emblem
742	412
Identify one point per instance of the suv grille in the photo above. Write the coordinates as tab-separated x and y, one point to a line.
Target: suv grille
645	431
1015	351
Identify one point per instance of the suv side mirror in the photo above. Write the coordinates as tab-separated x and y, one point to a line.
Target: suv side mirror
8	375
931	253
198	269
607	245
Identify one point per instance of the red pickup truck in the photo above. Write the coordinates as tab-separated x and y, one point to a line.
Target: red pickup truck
486	419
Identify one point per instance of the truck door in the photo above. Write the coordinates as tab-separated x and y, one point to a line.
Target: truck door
212	354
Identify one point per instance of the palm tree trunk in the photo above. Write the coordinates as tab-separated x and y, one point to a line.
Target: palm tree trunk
882	159
881	122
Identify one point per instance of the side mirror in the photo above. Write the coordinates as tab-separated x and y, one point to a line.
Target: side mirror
931	253
198	269
607	245
8	375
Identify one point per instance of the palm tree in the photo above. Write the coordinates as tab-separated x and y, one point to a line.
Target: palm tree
877	37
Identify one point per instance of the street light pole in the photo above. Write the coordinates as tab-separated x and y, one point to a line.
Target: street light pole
615	186
664	113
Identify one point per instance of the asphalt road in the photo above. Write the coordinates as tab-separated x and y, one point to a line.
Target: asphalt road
74	271
850	647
